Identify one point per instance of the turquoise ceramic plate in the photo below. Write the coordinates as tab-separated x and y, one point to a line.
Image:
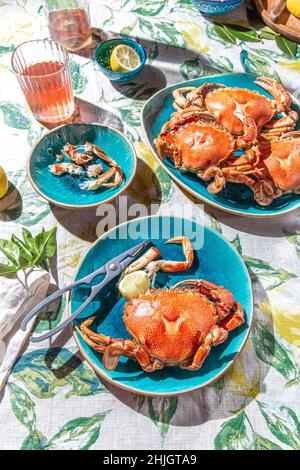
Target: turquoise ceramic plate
216	260
235	198
65	190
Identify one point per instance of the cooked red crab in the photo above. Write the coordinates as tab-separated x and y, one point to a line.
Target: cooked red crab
230	106
271	169
170	327
197	143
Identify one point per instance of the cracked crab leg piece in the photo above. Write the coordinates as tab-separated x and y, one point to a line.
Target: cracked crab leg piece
104	178
168	266
100	153
59	169
143	261
80	158
147	259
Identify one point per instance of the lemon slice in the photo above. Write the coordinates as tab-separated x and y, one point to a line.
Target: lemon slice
3	183
294	7
124	59
134	284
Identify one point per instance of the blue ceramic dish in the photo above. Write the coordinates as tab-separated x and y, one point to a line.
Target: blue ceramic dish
235	198
216	261
65	190
120	76
216	7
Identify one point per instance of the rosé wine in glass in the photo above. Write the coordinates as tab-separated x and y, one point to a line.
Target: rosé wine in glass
42	68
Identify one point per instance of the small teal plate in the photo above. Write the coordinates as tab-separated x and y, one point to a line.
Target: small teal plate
215	260
235	198
65	190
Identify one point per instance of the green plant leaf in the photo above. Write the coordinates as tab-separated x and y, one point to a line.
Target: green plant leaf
45	245
289	48
271	351
149	7
238	434
46	371
78	434
11	251
14	115
7	269
34	441
267	33
22	405
223	32
161	412
284	425
163	31
24	250
246	35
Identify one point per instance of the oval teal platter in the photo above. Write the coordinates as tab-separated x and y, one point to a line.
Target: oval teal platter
215	260
235	198
65	190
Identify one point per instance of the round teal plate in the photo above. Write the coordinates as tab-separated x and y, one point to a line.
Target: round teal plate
65	190
235	198
215	260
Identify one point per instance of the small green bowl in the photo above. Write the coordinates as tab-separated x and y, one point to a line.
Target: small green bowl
102	59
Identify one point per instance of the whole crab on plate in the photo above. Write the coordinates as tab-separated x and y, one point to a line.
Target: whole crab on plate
211	136
189	310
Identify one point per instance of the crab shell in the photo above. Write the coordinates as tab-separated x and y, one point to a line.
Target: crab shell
195	140
283	163
171	325
223	103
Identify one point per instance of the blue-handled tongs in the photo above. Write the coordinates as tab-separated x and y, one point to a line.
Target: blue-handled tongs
111	269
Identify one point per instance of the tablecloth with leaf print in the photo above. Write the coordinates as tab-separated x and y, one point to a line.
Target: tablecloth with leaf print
53	399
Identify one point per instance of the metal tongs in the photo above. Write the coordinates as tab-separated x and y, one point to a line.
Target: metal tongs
111	269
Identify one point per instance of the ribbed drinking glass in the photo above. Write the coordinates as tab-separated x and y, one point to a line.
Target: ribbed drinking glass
42	68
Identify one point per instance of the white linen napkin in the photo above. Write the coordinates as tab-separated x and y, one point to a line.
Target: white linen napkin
18	295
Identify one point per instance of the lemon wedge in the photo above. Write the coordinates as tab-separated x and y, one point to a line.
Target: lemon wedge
134	284
3	183
293	7
124	59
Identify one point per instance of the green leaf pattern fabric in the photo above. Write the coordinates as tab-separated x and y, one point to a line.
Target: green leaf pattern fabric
53	399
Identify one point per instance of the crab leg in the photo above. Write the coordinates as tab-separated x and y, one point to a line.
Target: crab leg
287	121
104	178
250	129
282	97
168	266
216	336
114	348
195	96
100	153
79	158
143	261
